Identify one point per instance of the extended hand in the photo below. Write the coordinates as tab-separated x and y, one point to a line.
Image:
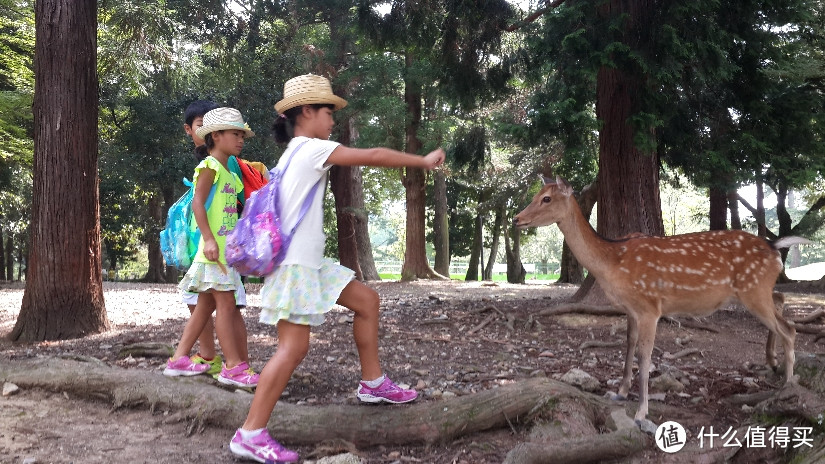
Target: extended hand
434	159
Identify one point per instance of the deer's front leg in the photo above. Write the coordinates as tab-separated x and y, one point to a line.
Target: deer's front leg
632	339
647	335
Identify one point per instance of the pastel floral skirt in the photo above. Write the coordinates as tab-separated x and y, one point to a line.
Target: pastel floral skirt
209	276
301	294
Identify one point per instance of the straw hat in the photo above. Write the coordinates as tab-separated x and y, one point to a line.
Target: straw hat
223	119
307	90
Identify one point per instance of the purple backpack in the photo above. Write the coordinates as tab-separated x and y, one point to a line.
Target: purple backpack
258	243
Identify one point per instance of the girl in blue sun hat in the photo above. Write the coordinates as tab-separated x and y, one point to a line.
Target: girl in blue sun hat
303	288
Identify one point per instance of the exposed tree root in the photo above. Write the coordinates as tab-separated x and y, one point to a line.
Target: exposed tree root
196	399
582	309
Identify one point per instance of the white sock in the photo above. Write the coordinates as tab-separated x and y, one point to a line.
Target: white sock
248	434
375	383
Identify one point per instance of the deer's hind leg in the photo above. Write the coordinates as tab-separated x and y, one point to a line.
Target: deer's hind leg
770	347
768	307
630	351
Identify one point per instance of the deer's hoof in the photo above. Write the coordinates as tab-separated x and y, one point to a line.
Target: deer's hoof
647	426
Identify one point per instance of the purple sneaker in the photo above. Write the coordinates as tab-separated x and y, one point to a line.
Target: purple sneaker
184	366
387	392
240	376
261	448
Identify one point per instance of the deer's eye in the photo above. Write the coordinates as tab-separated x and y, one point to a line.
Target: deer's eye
545	199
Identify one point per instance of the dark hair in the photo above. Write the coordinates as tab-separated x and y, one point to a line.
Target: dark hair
283	129
197	109
202	151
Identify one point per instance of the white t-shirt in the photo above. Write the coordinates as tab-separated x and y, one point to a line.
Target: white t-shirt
308	166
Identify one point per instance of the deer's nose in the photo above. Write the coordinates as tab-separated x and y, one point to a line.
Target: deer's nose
515	221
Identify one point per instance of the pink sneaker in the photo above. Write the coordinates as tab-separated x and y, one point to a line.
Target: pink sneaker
261	448
240	376
387	392
184	367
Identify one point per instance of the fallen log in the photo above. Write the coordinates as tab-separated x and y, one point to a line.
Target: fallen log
197	400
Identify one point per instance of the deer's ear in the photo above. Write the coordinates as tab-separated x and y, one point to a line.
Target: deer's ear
545	180
564	187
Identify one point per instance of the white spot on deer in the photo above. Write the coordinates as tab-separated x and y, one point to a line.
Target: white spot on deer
638	258
624	269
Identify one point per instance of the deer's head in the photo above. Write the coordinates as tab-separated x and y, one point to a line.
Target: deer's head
549	206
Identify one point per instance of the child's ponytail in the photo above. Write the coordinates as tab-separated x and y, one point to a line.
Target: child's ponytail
283	129
202	151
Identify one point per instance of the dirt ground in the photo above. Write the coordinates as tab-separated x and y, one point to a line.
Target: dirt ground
442	338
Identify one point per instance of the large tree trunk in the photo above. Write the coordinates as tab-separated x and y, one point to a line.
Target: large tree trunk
157	267
441	224
718	213
415	264
628	200
64	289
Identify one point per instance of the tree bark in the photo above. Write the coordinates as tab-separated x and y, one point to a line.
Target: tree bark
515	269
362	233
157	268
475	251
64	289
718	213
2	255
202	403
571	271
341	185
416	265
441	225
491	259
10	257
733	206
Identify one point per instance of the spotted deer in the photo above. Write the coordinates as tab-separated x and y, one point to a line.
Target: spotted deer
650	277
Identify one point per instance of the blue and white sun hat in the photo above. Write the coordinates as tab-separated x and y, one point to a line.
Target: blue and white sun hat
223	119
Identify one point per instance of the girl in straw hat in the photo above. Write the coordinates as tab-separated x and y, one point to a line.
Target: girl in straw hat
299	292
223	132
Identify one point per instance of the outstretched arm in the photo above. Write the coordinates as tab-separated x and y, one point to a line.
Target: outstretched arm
384	157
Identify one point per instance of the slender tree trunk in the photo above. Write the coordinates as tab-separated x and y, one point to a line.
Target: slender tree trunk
64	290
491	260
733	207
362	231
475	251
157	267
2	254
571	271
441	225
794	255
783	217
718	209
10	257
415	264
762	229
168	191
515	269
